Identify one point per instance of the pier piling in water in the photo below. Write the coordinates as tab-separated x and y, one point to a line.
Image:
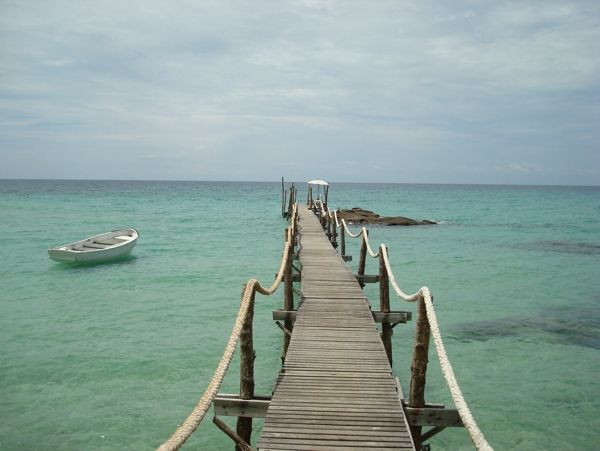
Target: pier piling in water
247	356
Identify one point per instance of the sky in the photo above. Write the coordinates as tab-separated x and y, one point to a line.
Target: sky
492	92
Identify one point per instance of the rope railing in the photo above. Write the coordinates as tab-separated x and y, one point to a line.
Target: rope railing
185	430
467	418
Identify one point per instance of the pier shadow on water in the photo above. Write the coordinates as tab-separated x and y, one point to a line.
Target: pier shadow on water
577	326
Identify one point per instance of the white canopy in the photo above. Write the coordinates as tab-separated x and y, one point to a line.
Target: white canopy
318	182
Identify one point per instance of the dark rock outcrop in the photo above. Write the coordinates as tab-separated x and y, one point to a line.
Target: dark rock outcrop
359	216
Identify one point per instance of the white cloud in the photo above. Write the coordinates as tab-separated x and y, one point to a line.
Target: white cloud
466	15
516	167
423	86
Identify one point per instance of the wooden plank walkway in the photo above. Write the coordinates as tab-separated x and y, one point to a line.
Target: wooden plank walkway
336	390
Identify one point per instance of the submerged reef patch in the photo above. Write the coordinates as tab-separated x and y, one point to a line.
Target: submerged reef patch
564	325
569	247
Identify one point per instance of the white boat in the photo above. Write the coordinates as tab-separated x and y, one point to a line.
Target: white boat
97	248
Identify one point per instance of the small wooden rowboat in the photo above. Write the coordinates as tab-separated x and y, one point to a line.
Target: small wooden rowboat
97	248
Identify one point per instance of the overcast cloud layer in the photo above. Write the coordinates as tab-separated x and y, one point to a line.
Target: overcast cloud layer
411	91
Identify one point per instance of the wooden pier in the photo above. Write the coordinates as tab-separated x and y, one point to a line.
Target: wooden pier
336	389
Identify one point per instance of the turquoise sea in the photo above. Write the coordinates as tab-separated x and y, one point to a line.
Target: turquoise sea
116	355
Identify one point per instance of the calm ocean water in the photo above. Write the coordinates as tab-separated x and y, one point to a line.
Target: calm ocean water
116	355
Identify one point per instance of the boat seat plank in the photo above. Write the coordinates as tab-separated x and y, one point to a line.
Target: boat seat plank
94	246
109	242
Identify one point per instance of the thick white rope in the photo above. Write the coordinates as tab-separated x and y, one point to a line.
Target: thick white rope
408	298
186	429
475	433
467	418
337	223
366	238
363	230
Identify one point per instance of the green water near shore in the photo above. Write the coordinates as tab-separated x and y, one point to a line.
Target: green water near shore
116	355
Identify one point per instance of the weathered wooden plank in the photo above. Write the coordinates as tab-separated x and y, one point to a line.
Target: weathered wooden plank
379	317
392	317
313	447
339	375
367	364
433	417
367	278
281	444
331	387
306	382
331	435
235	407
231	405
308	394
332	367
286	419
357	429
359	385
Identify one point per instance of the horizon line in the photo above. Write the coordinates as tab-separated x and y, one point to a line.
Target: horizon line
282	181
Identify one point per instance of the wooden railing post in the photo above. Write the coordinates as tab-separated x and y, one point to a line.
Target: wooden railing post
418	368
244	424
384	303
282	198
322	218
362	260
292	200
288	297
343	238
334	236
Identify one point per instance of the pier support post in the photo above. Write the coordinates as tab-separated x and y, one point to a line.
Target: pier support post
343	238
292	200
244	424
288	296
384	304
335	234
418	368
282	198
363	256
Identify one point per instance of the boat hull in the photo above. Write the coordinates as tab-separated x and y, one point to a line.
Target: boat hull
107	246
